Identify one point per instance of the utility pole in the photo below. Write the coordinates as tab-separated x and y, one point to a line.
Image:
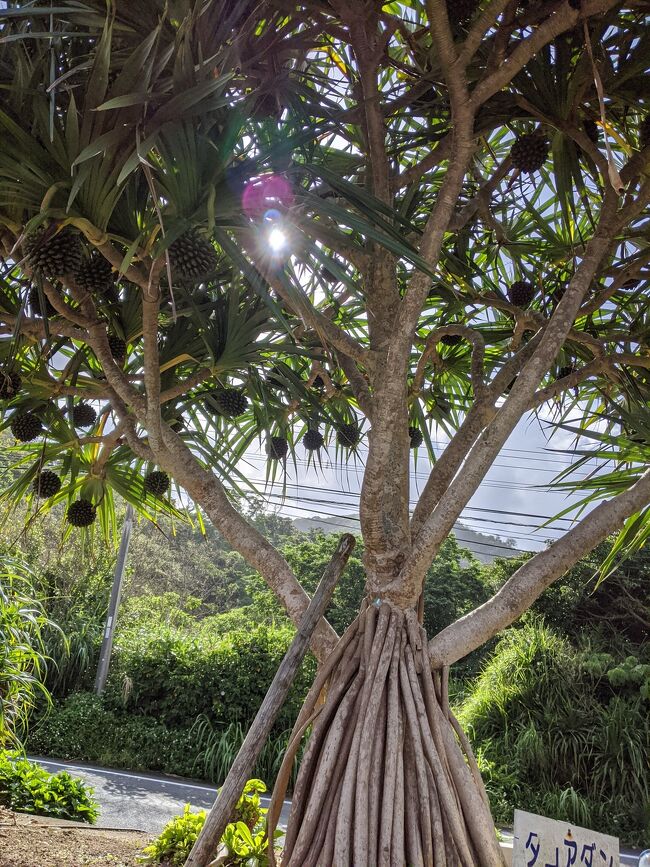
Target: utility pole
113	605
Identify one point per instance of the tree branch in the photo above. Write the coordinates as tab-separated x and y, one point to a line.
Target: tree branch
462	147
483	198
493	438
384	506
61	307
151	357
186	385
135	275
358	384
207	491
600	298
108	444
484	23
368	46
535	575
35	328
561	20
97	339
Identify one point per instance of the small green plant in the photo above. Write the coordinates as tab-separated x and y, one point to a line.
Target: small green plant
175	843
631	673
22	653
243	842
26	787
245	846
249	808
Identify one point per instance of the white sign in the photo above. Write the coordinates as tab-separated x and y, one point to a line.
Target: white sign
542	842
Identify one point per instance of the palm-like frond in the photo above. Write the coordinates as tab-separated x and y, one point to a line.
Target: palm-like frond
137	123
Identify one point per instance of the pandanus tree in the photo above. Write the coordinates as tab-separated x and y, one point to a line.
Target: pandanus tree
343	226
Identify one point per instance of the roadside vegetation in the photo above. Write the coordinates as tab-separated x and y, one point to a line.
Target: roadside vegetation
27	788
24	656
557	706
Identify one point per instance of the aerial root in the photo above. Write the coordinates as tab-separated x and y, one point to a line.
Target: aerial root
388	777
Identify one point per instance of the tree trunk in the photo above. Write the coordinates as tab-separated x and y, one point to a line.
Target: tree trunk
388	778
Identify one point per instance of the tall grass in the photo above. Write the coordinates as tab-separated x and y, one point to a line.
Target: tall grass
23	663
74	652
555	736
217	747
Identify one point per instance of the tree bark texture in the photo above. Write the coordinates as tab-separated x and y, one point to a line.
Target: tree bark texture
387	777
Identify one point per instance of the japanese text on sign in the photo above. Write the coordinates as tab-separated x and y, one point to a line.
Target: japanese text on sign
542	842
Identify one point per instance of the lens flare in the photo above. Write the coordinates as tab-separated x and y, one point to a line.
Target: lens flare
277	240
266	192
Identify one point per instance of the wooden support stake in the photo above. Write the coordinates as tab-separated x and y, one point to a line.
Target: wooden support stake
222	810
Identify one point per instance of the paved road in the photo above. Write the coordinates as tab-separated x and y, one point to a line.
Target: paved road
146	802
142	802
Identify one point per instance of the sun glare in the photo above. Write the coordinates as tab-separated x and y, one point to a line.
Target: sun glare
277	240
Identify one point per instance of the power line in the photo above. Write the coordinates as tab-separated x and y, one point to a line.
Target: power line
480	509
352	518
355	496
330	464
445	443
500	484
320	503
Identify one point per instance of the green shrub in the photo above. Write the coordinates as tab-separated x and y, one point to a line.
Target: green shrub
178	836
83	729
563	731
175	674
578	603
26	787
243	841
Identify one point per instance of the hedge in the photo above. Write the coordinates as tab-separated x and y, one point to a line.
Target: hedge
171	675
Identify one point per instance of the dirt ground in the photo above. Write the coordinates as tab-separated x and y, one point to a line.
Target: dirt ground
31	841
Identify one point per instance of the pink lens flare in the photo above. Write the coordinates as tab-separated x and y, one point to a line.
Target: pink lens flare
266	193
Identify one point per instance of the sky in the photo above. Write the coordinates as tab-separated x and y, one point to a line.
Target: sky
508	503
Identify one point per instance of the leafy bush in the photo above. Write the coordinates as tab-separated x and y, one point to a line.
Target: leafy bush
579	603
243	841
178	836
564	730
26	787
175	674
82	728
22	653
